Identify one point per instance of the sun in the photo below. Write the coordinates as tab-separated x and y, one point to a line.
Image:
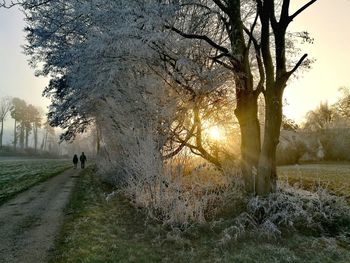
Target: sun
215	133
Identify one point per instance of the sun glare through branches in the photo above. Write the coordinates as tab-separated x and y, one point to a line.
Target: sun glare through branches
215	133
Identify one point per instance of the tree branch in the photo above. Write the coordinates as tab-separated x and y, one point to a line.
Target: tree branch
223	64
211	11
182	145
274	23
201	37
167	58
221	6
23	3
297	65
285	12
219	56
250	33
301	10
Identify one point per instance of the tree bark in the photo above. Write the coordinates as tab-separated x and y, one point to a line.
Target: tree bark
267	180
246	97
21	136
35	133
1	132
26	138
98	140
15	135
246	113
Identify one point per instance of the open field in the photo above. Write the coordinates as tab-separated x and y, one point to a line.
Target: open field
335	177
17	175
99	231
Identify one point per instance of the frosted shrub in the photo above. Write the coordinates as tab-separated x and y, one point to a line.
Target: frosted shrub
290	209
168	196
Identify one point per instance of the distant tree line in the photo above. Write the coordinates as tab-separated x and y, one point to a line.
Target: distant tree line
325	134
28	120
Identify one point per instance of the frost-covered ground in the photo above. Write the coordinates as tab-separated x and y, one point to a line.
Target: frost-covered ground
18	174
97	230
334	176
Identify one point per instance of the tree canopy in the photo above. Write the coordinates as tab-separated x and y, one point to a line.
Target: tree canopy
152	71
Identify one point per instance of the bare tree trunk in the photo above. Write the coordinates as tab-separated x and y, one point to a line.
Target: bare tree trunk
246	113
35	133
246	97
1	132
26	137
276	79
267	181
15	135
45	140
98	140
21	136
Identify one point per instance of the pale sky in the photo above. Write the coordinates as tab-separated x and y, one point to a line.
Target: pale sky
327	21
16	77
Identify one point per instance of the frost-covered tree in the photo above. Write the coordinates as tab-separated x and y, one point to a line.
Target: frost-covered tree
5	108
18	113
251	32
342	106
320	118
99	56
327	127
27	120
33	124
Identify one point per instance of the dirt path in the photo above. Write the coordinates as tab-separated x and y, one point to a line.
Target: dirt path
30	221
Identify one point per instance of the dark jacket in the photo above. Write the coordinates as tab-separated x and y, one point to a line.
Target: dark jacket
82	158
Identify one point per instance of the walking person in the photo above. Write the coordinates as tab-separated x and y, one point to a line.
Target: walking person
82	160
75	161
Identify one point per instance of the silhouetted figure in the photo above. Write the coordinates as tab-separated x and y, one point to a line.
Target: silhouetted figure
82	160
75	161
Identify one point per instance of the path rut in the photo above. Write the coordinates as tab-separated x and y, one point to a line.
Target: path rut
30	222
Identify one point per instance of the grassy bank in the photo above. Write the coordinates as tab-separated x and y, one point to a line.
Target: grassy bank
19	175
99	231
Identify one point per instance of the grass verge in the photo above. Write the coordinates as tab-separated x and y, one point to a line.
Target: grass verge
17	176
95	231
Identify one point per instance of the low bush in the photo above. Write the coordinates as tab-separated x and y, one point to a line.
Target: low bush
291	210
